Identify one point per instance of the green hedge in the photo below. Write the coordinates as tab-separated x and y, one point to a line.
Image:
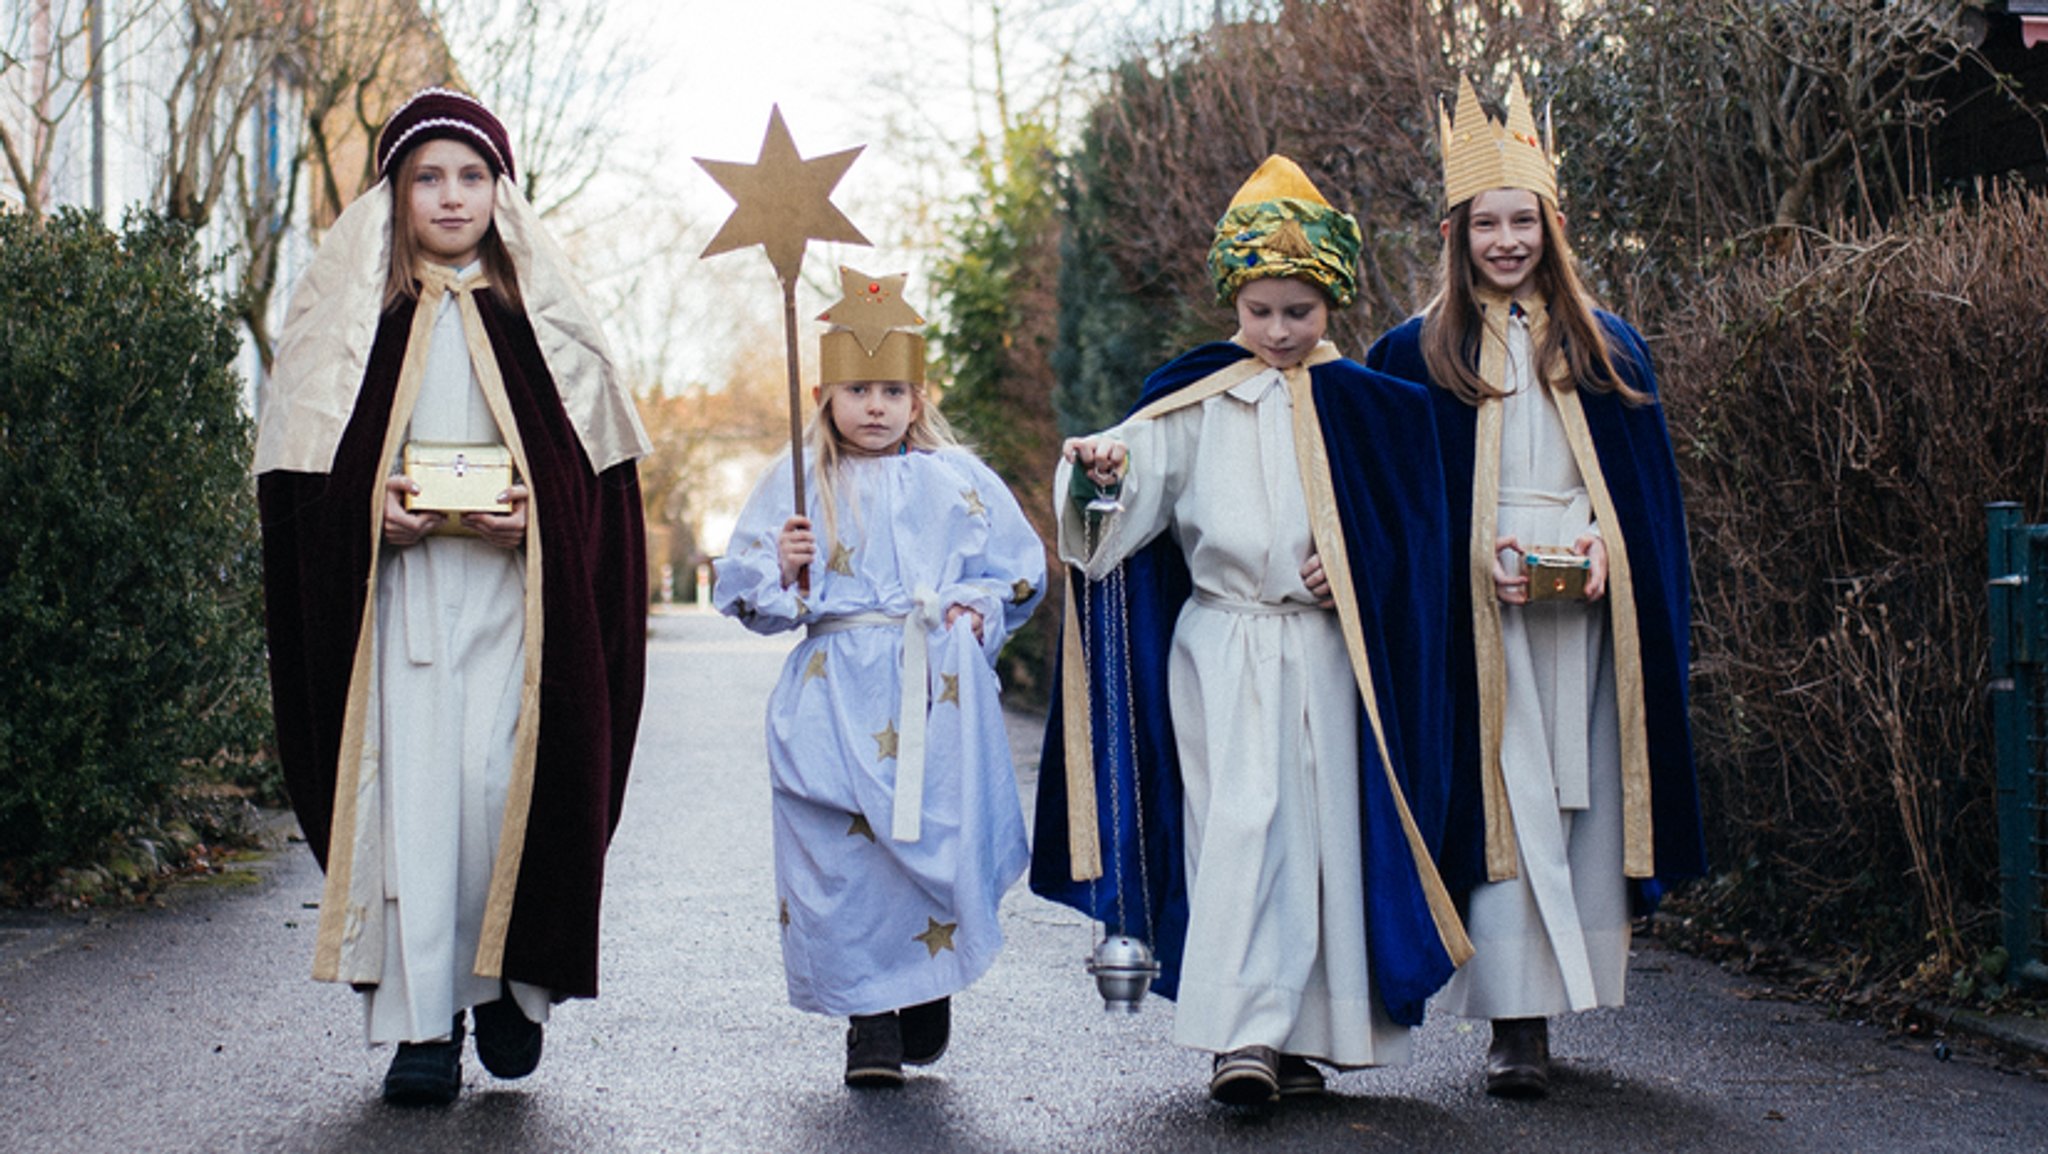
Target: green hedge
130	596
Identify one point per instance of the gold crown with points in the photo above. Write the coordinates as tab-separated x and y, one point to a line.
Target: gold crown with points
1482	153
874	333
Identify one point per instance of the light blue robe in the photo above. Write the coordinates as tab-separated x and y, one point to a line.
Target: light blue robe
871	923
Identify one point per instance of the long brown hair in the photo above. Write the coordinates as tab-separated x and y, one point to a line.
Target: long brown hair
401	281
1574	351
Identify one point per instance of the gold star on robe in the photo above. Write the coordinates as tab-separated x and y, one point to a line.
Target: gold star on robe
871	307
782	201
951	692
1021	591
974	505
816	666
859	827
937	935
842	560
885	742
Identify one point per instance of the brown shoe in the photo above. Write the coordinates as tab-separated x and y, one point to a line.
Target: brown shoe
1299	1077
874	1051
1518	1062
1247	1076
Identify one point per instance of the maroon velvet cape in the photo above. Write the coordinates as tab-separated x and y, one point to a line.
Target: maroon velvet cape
316	557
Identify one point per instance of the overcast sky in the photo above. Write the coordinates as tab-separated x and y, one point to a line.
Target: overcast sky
900	77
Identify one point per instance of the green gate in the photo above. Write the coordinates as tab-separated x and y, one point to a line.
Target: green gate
2019	717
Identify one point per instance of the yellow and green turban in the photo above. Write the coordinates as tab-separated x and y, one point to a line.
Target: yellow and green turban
1279	225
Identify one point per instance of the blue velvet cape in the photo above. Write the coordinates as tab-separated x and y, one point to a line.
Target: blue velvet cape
1634	448
1390	499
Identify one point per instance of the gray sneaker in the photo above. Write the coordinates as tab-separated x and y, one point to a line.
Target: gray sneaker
1246	1076
1299	1077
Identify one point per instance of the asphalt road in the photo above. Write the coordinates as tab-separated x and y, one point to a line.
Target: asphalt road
195	1028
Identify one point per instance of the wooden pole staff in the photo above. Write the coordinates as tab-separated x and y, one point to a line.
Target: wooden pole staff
782	202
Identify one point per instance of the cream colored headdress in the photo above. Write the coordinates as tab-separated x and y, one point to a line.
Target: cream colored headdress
325	345
1482	153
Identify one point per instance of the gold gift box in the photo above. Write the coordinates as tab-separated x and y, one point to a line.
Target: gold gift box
458	478
1556	574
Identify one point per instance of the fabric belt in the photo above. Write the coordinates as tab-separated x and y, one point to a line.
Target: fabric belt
1538	499
907	820
1248	608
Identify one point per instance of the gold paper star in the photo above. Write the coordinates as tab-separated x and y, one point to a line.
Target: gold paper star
842	560
782	201
816	666
859	826
952	690
885	742
937	935
1021	591
974	505
871	306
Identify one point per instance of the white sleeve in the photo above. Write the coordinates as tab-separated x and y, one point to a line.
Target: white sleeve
1155	471
747	580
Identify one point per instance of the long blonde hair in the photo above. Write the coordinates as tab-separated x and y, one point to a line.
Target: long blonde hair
1573	340
401	279
928	431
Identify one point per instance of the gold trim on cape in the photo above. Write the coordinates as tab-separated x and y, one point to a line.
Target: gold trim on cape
1490	662
341	916
1328	535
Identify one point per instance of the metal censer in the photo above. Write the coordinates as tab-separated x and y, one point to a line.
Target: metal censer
1123	966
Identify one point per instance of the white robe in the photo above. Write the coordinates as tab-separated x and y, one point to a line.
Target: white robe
1556	937
1266	721
872	923
450	655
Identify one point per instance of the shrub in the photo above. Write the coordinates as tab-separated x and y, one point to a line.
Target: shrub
1842	414
130	597
998	288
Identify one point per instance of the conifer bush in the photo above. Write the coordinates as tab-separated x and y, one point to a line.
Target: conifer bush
130	596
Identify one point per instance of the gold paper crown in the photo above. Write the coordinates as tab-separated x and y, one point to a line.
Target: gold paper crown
900	357
1481	153
874	335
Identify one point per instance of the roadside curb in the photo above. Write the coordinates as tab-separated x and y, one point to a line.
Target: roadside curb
2010	1032
28	935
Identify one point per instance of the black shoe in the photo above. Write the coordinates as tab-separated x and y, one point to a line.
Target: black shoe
927	1028
507	1041
1518	1061
426	1073
1299	1077
874	1051
1246	1077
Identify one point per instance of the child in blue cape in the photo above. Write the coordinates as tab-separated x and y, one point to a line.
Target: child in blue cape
1573	804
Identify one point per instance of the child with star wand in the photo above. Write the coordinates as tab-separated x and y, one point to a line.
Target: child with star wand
933	541
888	878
